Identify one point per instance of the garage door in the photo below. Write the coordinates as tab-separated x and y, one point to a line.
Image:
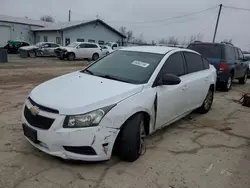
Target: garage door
4	34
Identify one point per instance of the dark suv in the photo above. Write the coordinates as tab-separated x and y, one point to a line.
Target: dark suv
227	59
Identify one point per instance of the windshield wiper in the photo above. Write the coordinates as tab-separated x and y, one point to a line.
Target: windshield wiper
88	71
112	78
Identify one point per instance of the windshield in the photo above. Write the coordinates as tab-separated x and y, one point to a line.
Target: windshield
207	50
126	66
72	45
39	44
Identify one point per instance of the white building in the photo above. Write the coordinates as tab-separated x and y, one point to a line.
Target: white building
12	28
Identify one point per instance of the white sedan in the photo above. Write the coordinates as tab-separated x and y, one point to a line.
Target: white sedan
117	101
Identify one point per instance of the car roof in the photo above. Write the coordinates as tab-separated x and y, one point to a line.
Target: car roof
85	43
154	49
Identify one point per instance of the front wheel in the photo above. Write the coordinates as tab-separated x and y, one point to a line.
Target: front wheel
32	54
71	56
243	79
207	102
131	138
95	57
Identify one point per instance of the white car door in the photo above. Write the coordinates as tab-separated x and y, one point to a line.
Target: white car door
171	99
81	51
197	79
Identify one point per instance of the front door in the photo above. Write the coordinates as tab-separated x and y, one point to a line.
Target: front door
171	99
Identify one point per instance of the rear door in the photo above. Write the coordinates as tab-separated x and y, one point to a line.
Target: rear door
197	79
81	52
91	49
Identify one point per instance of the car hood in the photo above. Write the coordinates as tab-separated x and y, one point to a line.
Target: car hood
78	93
28	47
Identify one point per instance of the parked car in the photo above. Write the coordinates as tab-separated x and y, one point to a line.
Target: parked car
13	46
113	45
106	49
247	58
116	101
40	49
227	59
80	50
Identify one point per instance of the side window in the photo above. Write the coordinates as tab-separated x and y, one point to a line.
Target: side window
236	54
205	63
115	45
90	46
194	62
46	45
52	45
83	45
240	54
174	65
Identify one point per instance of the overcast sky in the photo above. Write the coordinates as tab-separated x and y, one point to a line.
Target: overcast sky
233	24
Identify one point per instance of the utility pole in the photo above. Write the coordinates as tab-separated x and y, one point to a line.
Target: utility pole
217	22
69	15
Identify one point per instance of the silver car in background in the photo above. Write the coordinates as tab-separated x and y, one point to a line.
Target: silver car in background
40	49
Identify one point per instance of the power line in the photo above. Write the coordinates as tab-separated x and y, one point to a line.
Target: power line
171	18
236	8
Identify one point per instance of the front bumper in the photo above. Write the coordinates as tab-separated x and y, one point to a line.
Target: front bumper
53	140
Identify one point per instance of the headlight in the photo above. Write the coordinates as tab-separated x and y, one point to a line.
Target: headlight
89	119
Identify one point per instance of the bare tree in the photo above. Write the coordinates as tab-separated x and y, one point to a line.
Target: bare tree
194	38
173	40
163	41
127	33
47	18
139	40
153	42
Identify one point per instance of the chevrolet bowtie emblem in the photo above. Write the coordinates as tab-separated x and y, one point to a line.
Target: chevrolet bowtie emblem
34	110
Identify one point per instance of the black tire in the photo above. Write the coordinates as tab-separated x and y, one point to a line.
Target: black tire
95	56
243	79
206	106
71	56
32	54
228	85
130	140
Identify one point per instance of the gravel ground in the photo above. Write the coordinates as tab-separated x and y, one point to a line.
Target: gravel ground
200	151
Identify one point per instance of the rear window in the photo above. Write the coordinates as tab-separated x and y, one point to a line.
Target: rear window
207	50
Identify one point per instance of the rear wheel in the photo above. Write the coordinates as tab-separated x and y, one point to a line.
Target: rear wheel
243	79
227	85
71	56
131	138
32	54
207	102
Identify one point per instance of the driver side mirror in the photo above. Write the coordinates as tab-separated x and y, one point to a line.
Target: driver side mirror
77	47
168	79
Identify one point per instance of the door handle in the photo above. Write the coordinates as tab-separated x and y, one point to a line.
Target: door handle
185	87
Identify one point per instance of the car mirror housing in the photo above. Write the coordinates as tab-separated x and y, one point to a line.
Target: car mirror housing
168	79
77	47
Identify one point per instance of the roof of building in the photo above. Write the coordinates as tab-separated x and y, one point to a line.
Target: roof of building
67	25
5	18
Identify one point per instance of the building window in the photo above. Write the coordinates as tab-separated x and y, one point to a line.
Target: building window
58	40
80	40
91	40
45	38
101	42
67	41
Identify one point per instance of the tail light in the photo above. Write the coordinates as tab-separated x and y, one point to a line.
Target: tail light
223	66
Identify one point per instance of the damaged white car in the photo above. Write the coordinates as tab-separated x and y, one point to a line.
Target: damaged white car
117	101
